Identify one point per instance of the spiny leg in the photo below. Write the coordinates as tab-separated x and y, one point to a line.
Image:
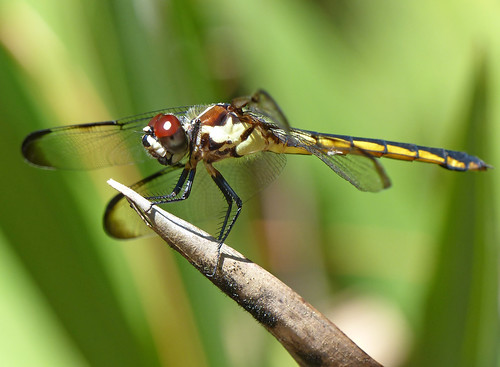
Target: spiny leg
186	177
230	197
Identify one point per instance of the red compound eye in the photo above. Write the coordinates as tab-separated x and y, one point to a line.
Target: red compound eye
165	125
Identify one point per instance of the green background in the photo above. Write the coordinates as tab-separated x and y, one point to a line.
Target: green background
410	274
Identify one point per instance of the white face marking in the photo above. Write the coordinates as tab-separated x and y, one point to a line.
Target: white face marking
155	146
151	140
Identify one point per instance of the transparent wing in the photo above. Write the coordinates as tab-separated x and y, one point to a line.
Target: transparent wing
353	164
93	145
121	221
206	205
264	106
358	167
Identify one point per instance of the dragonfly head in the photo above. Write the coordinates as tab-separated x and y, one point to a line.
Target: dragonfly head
165	139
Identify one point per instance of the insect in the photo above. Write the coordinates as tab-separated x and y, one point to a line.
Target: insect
229	147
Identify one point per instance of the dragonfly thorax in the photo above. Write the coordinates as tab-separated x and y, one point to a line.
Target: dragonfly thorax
165	139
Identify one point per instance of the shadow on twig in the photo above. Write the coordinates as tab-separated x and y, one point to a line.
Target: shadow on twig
307	335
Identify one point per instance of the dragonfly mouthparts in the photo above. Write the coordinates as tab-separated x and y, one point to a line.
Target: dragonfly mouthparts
152	145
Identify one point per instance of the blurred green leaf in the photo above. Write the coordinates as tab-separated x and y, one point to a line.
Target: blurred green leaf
461	321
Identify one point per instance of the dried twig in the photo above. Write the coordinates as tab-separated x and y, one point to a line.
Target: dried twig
309	337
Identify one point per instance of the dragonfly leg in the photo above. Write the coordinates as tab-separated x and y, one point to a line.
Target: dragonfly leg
231	197
187	178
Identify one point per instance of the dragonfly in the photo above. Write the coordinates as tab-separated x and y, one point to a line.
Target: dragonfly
233	149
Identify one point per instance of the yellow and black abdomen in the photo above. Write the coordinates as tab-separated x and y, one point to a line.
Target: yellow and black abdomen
342	144
449	159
